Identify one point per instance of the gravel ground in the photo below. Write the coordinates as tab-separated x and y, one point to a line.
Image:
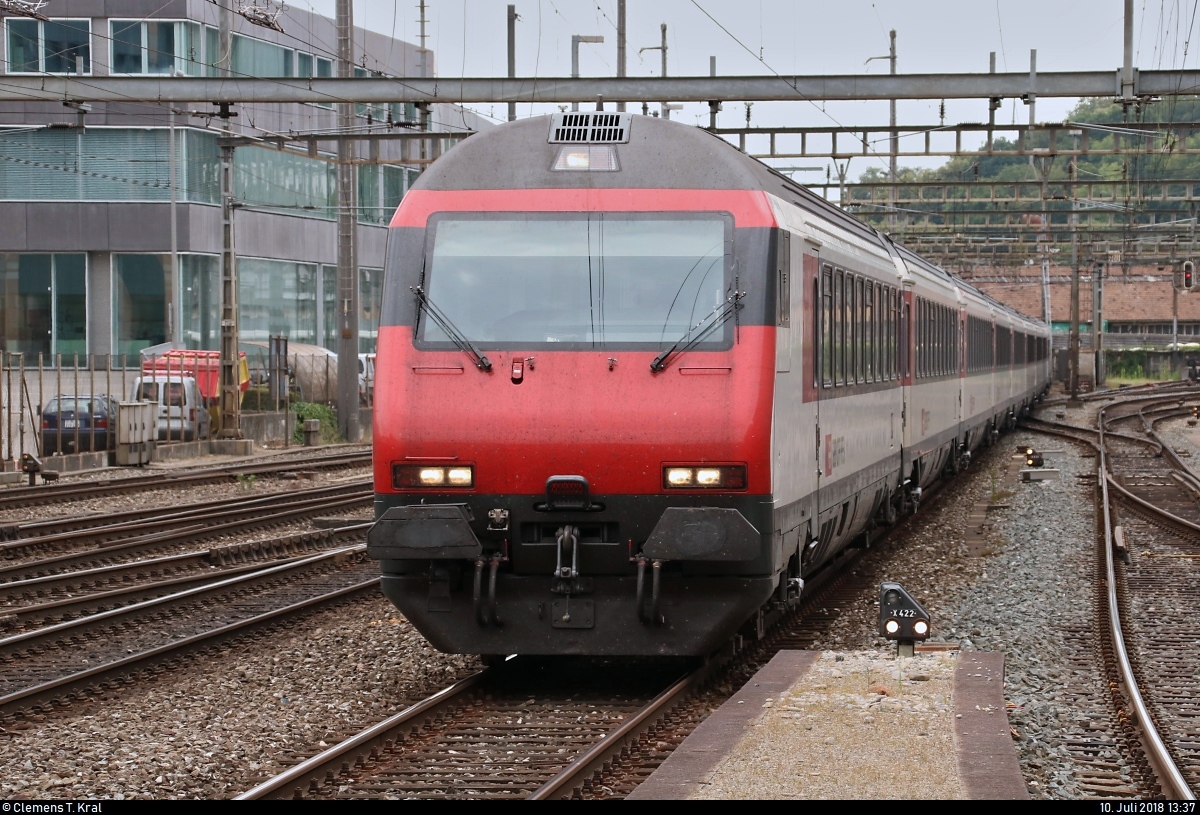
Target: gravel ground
1024	597
214	730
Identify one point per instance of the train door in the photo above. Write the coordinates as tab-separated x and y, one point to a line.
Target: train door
822	355
783	300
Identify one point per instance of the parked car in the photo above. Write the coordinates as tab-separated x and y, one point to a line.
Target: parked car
182	414
78	424
366	379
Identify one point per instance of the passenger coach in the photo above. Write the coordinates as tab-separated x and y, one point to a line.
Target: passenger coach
633	387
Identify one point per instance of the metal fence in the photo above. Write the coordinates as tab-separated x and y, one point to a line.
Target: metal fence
29	382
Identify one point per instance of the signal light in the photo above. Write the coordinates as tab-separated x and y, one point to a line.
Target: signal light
1189	270
1033	458
901	618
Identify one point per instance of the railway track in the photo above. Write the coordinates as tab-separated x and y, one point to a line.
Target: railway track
108	544
54	665
1149	602
43	601
58	492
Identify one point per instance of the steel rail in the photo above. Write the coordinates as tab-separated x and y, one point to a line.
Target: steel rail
117	521
595	756
315	768
56	687
189	531
1156	751
80	602
60	491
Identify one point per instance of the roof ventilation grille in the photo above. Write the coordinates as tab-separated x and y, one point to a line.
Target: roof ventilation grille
590	128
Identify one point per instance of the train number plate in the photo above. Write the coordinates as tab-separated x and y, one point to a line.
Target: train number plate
572	614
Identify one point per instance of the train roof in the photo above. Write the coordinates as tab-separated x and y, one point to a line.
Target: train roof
655	153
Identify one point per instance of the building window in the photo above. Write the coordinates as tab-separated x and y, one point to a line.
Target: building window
155	47
257	58
295	185
370	299
49	46
277	299
142	298
42	305
200	301
329	312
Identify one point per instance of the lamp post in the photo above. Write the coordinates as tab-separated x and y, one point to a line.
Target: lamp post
575	40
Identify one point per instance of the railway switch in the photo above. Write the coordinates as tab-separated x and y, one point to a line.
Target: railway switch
901	618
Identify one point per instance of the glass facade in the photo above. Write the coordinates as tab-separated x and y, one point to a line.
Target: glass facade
295	185
329	312
155	47
43	304
277	298
253	57
370	298
49	46
200	302
129	164
142	301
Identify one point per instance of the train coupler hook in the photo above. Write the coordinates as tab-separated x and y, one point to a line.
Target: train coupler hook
567	536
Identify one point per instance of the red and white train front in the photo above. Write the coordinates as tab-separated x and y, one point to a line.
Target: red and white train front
573	411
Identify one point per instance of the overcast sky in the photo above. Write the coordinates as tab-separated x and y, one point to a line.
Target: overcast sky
768	36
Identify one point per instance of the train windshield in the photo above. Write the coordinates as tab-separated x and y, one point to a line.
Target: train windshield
596	280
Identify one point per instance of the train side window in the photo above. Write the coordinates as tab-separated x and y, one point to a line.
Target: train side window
848	329
922	360
893	327
869	333
839	324
860	310
827	326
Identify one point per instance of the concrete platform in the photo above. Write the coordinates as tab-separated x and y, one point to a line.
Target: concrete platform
792	732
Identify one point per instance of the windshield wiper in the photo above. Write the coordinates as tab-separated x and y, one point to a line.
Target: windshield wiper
713	320
456	336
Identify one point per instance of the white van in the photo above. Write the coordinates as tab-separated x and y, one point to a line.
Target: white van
182	415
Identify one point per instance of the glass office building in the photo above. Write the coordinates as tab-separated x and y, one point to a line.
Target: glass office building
86	260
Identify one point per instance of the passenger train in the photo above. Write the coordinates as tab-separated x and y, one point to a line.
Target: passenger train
634	387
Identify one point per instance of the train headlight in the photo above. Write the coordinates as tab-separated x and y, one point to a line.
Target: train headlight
679	476
722	477
425	476
587	158
459	476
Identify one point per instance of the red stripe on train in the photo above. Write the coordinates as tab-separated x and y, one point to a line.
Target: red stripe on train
749	208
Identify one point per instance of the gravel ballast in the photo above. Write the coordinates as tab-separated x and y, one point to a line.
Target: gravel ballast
214	728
